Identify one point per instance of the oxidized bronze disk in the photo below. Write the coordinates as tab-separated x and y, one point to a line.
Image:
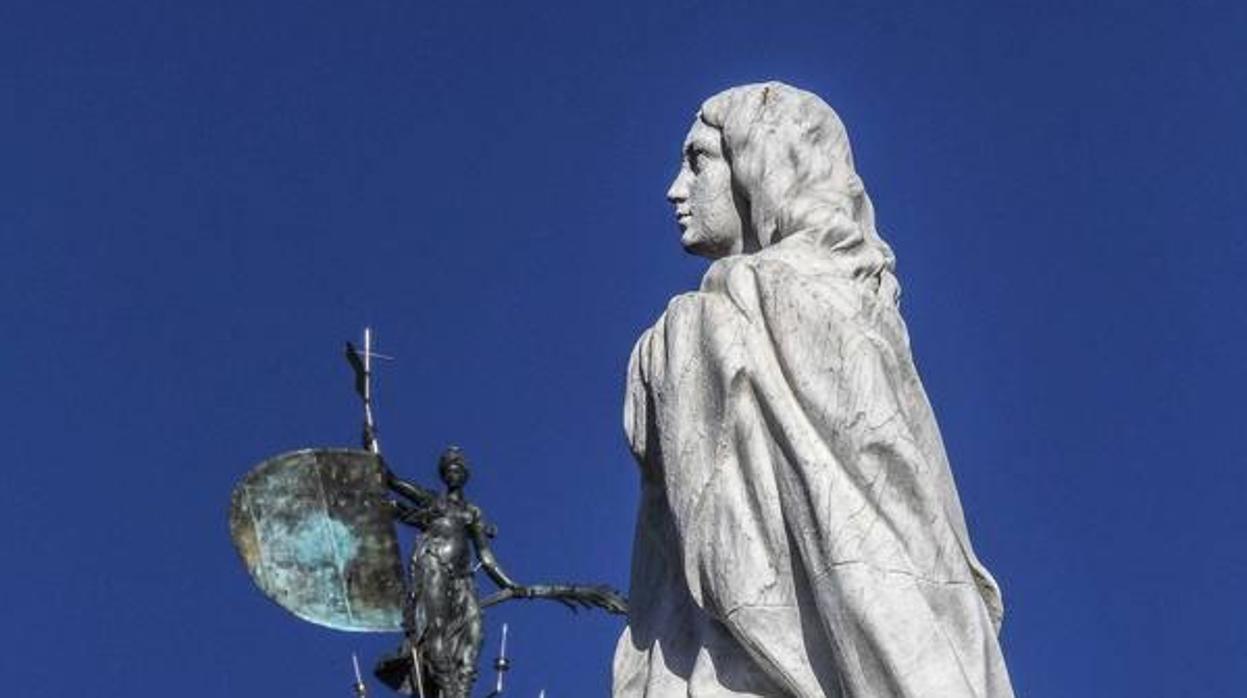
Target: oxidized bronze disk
316	532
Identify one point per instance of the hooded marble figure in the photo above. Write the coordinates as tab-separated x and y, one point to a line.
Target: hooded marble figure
799	531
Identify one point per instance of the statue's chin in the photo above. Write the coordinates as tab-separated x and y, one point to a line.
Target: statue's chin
701	246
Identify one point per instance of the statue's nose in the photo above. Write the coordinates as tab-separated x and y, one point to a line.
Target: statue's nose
678	191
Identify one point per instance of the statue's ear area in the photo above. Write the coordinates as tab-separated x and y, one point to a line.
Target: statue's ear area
756	229
744	210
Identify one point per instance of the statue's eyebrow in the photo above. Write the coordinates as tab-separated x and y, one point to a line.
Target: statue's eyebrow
696	145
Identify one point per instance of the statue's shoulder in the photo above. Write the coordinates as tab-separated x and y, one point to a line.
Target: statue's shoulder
725	275
734	284
790	275
726	300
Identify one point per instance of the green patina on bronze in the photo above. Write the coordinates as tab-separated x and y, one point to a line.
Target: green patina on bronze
316	532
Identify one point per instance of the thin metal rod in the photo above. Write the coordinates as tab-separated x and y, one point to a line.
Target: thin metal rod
502	661
360	689
374	444
415	665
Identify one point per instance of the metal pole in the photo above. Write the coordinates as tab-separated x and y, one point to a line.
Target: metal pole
415	666
374	444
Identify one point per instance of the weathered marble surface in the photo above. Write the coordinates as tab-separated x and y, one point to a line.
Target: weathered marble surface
799	532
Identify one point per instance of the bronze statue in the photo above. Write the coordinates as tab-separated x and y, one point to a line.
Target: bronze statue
441	612
315	530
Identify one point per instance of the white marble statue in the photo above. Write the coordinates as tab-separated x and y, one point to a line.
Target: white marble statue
799	530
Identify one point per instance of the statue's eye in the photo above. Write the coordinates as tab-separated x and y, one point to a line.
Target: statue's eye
696	160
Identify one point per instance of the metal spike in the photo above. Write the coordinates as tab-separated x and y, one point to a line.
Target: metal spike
361	691
502	664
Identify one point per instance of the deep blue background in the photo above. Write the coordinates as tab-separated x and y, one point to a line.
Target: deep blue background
199	201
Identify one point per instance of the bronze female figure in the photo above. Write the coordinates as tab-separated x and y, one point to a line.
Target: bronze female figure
442	613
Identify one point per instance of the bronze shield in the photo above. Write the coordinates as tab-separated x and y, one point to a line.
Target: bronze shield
316	532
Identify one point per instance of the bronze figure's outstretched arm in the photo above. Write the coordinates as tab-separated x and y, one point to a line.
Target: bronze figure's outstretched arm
574	596
481	532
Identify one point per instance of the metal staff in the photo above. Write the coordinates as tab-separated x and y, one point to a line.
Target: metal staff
361	362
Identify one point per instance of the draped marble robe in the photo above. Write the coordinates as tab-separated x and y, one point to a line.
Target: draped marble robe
799	532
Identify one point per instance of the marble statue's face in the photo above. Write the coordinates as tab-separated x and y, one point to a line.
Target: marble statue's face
705	207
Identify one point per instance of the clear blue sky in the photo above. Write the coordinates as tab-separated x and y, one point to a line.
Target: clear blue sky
199	201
